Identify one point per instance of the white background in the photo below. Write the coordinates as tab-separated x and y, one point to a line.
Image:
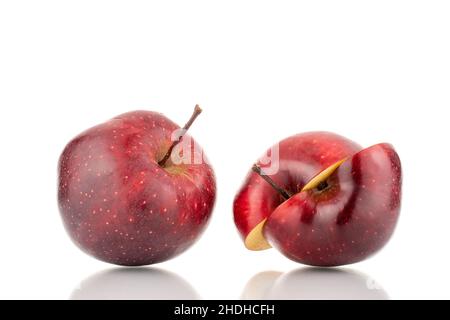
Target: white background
374	71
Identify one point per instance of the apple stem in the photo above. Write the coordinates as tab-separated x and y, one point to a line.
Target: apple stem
195	114
284	193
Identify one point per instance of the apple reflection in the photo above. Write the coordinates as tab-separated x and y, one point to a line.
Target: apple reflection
134	284
314	284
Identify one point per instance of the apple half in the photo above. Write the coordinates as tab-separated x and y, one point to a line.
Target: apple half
343	214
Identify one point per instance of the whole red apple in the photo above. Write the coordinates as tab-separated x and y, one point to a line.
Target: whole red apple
122	198
343	212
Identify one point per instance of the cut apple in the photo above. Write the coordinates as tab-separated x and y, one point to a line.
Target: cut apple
256	241
344	209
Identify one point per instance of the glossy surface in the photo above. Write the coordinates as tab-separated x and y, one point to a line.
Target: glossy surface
119	205
347	222
302	156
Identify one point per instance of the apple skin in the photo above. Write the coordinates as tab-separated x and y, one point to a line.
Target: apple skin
119	205
348	221
301	157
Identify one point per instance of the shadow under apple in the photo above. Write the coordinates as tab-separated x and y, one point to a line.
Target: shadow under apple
134	284
314	284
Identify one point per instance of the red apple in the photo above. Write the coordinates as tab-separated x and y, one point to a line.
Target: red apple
343	215
122	198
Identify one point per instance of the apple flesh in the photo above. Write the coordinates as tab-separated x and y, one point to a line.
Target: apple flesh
301	157
119	204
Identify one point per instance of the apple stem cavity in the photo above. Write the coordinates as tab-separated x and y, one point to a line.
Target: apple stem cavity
195	114
322	185
284	193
